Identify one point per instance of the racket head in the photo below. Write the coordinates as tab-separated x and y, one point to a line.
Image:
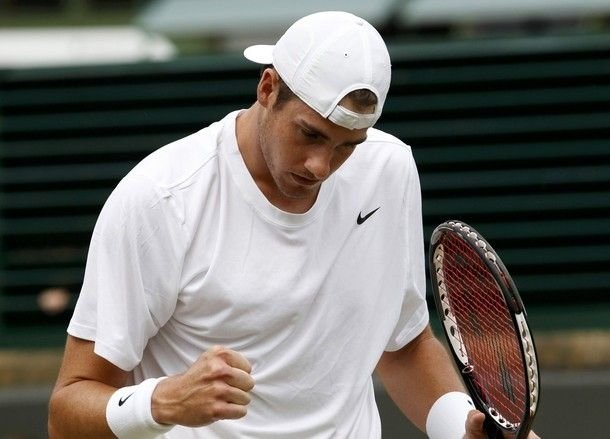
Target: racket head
486	326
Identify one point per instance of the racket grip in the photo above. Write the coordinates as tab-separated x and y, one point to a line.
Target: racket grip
493	431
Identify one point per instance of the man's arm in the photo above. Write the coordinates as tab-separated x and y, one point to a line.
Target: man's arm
215	387
85	383
417	375
420	373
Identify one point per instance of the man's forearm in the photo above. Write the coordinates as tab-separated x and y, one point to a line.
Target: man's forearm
417	375
79	410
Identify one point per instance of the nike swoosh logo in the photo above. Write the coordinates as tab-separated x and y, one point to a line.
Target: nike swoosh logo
122	400
362	219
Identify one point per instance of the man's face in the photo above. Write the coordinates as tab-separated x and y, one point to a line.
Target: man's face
302	149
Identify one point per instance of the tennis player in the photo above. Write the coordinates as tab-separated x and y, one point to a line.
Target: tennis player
248	280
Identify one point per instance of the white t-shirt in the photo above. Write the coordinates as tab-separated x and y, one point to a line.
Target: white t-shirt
188	253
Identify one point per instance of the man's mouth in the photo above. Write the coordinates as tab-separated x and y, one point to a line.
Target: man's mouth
304	180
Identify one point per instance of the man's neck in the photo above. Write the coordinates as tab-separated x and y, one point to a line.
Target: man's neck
246	131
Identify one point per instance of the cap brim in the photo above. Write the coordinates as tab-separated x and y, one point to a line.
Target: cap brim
261	53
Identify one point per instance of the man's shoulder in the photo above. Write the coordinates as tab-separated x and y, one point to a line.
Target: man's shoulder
384	149
182	159
191	149
380	137
380	162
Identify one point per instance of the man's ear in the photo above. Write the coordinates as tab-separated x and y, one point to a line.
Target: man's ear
268	86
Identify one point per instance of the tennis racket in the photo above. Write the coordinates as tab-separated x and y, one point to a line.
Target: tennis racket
486	327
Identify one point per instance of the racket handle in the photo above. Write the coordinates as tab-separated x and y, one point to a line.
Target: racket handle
493	431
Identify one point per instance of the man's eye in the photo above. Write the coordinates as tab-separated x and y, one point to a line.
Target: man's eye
310	134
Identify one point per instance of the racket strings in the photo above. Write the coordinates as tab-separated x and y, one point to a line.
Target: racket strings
486	331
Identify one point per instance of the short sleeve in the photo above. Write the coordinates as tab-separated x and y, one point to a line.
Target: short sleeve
414	311
132	273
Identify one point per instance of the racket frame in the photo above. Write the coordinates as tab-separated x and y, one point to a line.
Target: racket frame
518	316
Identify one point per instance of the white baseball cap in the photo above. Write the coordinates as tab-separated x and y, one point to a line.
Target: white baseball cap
324	56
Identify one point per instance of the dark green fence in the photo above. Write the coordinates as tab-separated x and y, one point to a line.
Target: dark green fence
511	136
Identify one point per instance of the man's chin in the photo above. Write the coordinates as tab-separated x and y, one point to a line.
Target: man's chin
300	192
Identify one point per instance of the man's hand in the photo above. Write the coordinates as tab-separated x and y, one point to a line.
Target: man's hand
215	387
476	430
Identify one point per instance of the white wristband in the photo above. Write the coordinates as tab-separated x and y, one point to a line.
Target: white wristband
129	413
447	416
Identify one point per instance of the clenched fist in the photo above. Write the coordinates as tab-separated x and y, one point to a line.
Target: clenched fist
217	386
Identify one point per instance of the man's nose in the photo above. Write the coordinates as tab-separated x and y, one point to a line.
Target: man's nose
318	163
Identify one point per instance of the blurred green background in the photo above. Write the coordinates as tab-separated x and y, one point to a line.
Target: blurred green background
506	106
